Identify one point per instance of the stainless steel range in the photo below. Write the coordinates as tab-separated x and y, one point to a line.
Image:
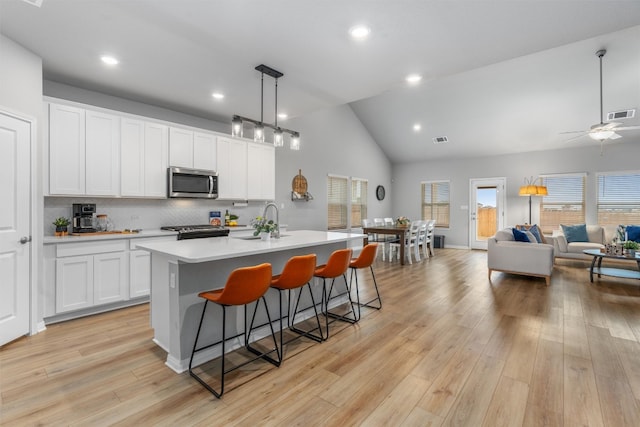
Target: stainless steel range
197	231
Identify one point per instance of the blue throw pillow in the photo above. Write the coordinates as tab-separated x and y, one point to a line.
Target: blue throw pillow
536	232
633	233
520	236
575	233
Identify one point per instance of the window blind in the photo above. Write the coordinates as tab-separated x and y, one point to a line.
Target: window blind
565	202
358	201
337	197
435	202
619	198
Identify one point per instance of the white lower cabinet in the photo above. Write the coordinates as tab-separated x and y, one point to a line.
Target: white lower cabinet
83	275
99	277
139	273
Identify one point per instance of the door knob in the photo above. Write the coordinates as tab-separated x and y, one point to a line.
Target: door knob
25	240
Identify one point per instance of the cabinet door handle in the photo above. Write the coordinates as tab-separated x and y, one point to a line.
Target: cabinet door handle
25	240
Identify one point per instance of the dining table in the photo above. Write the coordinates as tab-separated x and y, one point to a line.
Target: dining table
400	231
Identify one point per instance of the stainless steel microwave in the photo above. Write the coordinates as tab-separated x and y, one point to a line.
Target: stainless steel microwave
197	183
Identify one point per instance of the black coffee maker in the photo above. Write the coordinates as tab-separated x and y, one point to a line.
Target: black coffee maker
83	217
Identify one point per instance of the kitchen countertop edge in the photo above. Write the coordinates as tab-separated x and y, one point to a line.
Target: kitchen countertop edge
50	240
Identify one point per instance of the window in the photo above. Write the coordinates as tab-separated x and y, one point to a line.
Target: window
565	202
619	198
337	202
358	201
435	202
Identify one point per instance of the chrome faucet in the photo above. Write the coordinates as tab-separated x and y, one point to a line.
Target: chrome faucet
264	215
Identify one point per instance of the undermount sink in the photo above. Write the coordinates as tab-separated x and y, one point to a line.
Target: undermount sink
257	237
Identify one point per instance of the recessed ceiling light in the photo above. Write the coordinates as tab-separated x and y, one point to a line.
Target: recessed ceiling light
218	95
360	32
417	127
413	78
282	116
109	60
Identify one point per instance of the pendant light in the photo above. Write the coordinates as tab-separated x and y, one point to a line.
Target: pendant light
237	122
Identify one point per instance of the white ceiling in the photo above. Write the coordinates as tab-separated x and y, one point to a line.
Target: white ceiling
499	76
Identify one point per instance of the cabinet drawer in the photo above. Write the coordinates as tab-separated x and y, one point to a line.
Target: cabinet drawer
133	243
90	248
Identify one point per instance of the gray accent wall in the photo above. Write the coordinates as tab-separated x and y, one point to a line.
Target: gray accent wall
333	141
619	156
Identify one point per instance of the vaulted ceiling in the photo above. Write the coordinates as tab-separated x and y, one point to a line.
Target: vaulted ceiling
498	76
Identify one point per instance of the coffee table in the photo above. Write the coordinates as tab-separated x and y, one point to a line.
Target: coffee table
613	272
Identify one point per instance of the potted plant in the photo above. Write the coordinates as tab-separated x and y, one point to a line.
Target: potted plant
61	226
263	228
631	247
402	221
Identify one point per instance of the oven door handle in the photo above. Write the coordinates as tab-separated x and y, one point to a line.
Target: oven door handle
210	184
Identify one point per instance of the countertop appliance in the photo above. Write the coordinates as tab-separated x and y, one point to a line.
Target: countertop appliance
194	183
83	217
197	231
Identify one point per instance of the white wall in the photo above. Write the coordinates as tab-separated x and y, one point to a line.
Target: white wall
335	142
407	177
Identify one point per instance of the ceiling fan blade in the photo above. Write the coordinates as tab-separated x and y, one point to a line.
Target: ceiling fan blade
628	128
610	125
573	131
575	137
614	136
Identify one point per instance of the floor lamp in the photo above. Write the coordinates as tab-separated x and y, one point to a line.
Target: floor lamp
530	189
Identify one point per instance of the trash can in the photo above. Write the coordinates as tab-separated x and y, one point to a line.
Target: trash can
438	241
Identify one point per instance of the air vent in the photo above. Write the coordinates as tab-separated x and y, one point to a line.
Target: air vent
37	3
619	115
440	140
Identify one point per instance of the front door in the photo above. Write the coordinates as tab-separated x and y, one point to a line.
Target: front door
486	210
15	249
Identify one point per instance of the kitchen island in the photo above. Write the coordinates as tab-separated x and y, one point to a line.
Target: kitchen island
182	269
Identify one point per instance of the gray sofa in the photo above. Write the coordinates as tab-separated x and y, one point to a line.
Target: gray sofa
563	249
529	259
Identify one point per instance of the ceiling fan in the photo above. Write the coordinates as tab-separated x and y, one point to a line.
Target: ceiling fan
602	131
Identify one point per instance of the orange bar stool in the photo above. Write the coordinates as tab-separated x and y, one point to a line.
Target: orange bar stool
336	266
244	286
297	274
365	260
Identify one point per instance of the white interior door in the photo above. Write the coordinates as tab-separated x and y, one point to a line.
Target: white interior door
486	210
15	249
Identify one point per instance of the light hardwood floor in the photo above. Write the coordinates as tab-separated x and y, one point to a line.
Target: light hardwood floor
447	348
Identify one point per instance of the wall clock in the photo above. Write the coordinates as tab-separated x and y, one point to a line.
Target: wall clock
380	192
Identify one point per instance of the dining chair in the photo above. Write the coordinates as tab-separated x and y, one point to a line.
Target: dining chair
410	243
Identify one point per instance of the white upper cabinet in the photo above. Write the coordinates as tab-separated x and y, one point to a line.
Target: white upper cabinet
204	151
143	160
232	169
190	149
261	171
102	154
156	157
132	157
180	147
66	150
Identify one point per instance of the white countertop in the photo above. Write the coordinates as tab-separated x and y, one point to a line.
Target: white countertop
48	240
216	248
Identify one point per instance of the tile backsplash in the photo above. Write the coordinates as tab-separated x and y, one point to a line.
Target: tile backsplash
150	213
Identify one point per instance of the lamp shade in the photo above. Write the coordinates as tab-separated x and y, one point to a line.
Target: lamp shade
542	190
528	190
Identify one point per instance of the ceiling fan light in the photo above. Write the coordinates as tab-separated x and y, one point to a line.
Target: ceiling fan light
601	135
